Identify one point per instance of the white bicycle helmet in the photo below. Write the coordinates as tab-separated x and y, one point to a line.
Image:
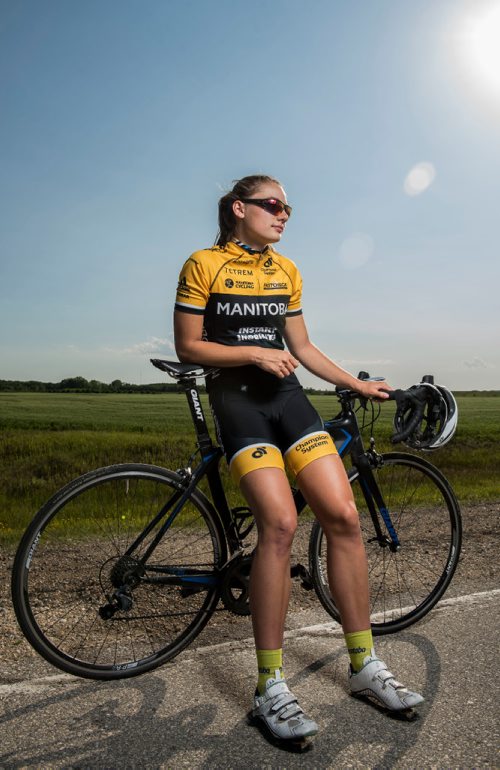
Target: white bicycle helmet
452	420
427	417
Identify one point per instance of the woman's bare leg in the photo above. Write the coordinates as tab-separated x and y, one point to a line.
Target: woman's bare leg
325	486
268	494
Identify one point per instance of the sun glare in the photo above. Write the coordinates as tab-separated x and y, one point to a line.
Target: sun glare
481	39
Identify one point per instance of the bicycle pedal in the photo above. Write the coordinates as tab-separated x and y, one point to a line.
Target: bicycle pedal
299	571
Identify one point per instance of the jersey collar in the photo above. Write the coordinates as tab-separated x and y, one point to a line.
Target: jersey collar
239	248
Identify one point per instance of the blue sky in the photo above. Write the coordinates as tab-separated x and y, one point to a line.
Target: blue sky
123	122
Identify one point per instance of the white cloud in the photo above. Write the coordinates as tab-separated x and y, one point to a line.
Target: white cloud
153	345
476	363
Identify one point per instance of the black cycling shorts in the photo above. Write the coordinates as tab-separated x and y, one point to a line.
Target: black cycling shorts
267	430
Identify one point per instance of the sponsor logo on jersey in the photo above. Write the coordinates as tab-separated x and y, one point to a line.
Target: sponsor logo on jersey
182	287
268	262
251	308
237	271
230	284
259	452
256	333
275	285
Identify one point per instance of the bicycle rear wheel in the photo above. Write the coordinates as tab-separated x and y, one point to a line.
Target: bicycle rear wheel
404	584
77	551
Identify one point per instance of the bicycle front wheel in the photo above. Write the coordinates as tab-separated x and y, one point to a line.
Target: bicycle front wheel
404	584
79	550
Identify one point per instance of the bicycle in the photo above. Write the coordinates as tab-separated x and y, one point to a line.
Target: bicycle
122	568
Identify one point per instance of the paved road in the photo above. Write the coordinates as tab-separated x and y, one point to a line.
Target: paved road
191	713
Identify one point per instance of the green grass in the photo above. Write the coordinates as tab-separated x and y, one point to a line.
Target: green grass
48	439
81	411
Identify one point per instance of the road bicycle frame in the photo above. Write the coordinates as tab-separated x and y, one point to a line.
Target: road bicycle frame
346	434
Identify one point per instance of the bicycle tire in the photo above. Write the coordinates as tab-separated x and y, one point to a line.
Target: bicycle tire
405	584
62	573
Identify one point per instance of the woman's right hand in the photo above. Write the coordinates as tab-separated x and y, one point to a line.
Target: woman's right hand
281	363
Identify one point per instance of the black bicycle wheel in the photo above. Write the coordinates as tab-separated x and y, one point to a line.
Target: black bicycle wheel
404	584
77	551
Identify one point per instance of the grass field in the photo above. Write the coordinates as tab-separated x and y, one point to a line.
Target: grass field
48	439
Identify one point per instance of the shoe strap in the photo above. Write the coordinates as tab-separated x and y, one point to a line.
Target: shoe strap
385	676
286	706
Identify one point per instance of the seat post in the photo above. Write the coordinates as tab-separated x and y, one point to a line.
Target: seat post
204	440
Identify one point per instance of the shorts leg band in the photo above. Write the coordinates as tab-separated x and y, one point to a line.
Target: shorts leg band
253	457
307	449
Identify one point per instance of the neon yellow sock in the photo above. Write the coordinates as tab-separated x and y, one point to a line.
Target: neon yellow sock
359	645
268	662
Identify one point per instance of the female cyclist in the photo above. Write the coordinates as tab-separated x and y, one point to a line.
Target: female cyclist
237	304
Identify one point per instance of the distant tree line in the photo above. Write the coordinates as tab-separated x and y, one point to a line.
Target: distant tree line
81	385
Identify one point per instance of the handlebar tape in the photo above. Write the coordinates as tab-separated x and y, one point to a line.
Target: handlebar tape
402	397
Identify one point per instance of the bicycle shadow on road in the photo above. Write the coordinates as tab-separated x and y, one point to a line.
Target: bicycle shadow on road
145	722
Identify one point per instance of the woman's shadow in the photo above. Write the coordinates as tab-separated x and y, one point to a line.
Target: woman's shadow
110	724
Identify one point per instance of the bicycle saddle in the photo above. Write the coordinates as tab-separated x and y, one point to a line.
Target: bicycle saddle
178	370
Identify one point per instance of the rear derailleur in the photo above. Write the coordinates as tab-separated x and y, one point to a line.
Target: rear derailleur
125	575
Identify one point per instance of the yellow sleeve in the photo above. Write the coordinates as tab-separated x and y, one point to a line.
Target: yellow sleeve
193	287
295	304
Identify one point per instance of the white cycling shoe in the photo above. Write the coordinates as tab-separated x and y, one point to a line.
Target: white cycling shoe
375	682
281	714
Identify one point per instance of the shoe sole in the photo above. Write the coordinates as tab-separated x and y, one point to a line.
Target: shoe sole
405	715
295	745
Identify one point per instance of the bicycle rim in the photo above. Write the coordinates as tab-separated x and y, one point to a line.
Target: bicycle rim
404	584
67	564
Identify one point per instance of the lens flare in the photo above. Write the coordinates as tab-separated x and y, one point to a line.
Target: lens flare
419	178
356	250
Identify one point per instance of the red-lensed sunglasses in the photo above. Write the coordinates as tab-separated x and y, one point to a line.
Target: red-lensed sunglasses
272	205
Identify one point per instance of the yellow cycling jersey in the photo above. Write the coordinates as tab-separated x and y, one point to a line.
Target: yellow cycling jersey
244	297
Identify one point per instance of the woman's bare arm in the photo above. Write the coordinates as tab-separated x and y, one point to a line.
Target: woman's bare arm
192	348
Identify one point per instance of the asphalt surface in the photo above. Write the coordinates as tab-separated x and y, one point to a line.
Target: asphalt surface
191	713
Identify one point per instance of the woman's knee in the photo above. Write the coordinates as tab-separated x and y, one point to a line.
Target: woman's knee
278	533
342	520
